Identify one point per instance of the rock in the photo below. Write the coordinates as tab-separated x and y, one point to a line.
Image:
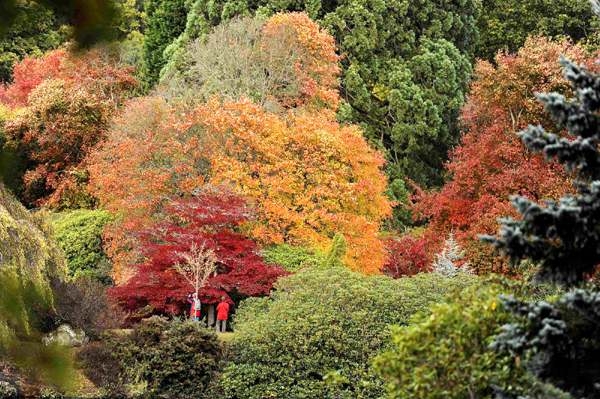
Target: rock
67	336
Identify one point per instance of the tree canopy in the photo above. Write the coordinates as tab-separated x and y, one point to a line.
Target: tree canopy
210	221
393	56
491	163
67	100
506	24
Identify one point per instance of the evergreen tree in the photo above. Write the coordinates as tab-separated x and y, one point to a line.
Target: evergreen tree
404	71
34	30
165	21
447	263
561	339
506	24
337	253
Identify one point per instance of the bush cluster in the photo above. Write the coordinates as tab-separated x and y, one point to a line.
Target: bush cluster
446	354
83	303
160	359
320	321
293	258
8	391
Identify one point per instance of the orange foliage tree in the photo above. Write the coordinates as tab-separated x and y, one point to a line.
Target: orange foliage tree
315	63
306	176
491	164
65	102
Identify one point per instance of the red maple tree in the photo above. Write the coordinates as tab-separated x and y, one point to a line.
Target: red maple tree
410	253
491	163
66	101
210	219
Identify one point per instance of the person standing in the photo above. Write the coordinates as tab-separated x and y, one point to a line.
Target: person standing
222	315
195	307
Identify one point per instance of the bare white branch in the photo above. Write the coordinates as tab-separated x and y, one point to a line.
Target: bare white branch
197	266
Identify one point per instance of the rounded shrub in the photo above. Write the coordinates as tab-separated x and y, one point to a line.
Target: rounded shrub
168	359
323	322
79	234
445	353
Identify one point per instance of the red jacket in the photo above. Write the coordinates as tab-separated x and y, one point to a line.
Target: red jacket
193	312
223	309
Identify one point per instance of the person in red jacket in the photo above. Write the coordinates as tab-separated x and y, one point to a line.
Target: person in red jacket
222	314
195	308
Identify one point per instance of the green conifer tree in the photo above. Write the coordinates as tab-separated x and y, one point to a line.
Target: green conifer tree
165	21
337	253
506	24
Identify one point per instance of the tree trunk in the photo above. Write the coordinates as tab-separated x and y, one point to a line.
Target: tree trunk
211	315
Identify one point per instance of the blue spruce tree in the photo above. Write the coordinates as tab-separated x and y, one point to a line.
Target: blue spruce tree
561	340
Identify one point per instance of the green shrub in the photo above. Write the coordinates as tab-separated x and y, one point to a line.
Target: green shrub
445	354
293	258
165	359
322	320
79	234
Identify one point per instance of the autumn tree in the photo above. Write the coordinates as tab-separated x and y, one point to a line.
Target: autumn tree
67	102
210	221
287	61
307	176
28	74
490	164
394	54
